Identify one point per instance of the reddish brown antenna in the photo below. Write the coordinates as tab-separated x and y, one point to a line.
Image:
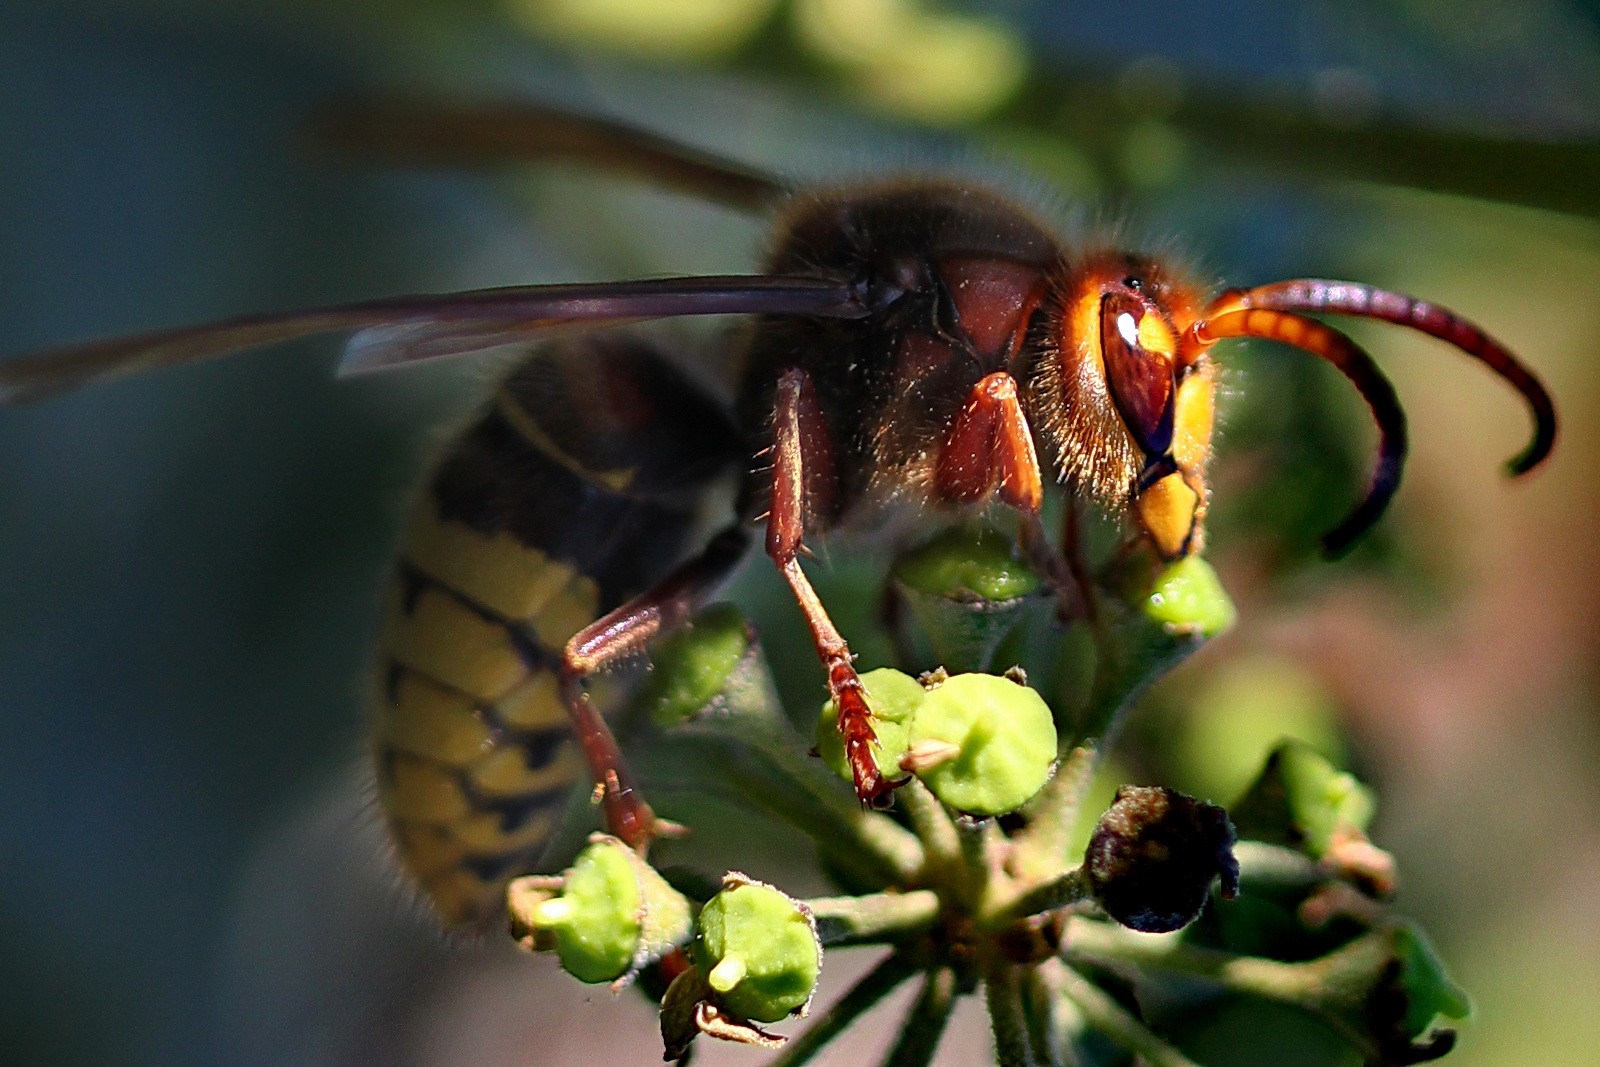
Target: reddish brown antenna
1370	302
1354	363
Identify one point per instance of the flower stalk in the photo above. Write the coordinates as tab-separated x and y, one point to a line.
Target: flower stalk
924	1025
877	918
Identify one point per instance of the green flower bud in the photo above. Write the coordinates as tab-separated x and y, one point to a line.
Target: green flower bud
687	1011
1303	801
965	563
693	665
982	744
1388	990
613	915
1188	598
1417	994
969	593
1430	992
894	698
758	951
1154	855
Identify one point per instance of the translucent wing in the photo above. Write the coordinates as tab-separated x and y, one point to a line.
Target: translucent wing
378	347
405	329
419	133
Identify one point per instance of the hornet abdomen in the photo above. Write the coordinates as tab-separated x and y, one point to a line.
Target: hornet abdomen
576	489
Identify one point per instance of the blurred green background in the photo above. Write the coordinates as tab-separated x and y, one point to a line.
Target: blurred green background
190	563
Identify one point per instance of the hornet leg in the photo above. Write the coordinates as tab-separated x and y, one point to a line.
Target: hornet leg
802	476
623	632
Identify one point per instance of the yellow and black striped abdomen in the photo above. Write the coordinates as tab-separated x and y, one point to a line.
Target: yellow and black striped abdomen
576	490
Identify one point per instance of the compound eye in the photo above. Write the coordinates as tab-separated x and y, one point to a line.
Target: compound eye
1138	348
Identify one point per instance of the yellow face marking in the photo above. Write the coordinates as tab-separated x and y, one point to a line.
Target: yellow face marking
447	641
1193	412
513	580
1155	336
483	833
505	772
519	417
536	704
426	719
1086	327
422	791
1167	512
576	607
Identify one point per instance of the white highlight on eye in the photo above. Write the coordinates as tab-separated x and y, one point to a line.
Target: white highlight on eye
1128	329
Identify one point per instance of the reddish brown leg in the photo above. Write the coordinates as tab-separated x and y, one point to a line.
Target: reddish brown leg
803	479
990	449
618	635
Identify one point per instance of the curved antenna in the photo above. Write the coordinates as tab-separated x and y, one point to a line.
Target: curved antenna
1354	363
1366	301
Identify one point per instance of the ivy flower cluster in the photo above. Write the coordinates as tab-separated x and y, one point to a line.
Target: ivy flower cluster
1089	935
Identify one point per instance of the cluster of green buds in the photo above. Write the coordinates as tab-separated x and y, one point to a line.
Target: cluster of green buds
1085	930
750	954
983	744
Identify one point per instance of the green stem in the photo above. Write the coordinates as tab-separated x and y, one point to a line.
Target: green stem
1002	992
1102	1012
1068	889
874	918
861	998
1040	850
980	842
1097	940
925	1023
1040	995
1339	981
1132	653
931	822
1273	865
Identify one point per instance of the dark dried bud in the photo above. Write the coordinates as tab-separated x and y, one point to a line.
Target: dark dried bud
1154	855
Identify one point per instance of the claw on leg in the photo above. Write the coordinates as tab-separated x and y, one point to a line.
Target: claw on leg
855	728
622	632
627	816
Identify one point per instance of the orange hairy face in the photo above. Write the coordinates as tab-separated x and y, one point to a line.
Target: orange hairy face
1121	400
